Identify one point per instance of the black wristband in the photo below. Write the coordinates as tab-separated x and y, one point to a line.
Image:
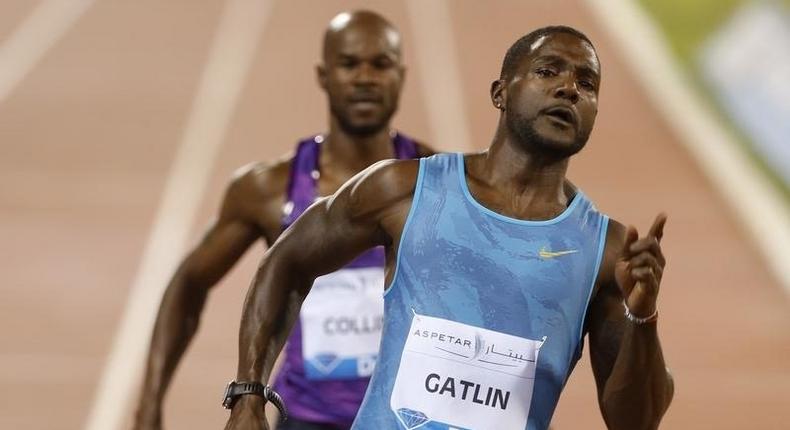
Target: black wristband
234	390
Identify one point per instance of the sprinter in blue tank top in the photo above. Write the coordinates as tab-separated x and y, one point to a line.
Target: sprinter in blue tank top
333	348
497	267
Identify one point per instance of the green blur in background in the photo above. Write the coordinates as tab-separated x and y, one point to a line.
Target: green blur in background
687	25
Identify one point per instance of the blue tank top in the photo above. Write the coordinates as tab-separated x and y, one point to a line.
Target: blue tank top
484	316
317	383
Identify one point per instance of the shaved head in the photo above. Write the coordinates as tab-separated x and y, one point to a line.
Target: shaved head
365	20
527	44
361	71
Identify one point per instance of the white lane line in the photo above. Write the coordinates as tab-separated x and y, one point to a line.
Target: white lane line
438	66
229	60
749	194
34	36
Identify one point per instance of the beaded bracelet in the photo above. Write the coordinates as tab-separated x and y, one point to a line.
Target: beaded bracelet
637	320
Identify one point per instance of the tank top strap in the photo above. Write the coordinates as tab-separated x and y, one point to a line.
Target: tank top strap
303	180
301	191
440	173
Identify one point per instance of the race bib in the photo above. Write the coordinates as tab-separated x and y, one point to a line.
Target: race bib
457	376
341	324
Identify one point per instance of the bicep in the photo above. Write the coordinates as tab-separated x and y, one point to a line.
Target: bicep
338	228
326	237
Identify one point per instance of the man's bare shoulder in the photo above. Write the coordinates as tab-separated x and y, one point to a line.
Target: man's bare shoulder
263	180
387	178
615	238
256	195
382	185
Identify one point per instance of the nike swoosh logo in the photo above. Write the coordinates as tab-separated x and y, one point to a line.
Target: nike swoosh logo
553	254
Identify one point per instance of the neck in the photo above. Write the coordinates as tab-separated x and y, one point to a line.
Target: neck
353	152
523	175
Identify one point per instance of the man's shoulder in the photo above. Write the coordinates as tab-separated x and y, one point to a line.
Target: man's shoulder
390	175
382	185
615	238
262	179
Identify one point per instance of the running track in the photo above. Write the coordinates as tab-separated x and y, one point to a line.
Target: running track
89	138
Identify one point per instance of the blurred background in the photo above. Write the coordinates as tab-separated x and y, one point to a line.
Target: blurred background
122	121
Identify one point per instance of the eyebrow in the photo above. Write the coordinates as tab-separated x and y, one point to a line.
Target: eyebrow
554	59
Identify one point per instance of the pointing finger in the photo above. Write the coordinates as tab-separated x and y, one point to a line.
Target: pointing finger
657	229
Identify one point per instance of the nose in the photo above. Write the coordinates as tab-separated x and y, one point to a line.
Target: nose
365	74
568	91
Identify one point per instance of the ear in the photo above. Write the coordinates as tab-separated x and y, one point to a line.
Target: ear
498	94
320	73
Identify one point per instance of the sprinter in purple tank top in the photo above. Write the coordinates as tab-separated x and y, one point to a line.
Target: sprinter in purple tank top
497	267
362	75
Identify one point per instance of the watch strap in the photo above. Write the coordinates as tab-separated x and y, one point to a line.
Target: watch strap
235	389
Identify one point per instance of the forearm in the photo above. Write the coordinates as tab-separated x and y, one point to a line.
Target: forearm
176	325
270	311
639	389
326	237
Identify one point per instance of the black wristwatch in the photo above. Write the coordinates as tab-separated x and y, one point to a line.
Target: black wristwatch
234	390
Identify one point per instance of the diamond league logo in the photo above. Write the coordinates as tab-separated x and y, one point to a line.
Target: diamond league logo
412	419
326	363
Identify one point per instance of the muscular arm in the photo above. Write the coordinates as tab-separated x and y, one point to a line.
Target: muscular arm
367	211
634	386
226	240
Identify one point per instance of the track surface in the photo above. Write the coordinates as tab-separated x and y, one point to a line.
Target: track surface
88	137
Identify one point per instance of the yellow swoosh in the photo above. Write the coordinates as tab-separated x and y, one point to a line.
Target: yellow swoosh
552	254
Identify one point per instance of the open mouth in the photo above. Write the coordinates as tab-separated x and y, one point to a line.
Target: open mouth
561	113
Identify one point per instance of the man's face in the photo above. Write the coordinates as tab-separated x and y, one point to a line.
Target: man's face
552	99
362	76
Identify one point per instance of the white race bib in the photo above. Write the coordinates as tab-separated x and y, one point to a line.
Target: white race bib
457	376
341	324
